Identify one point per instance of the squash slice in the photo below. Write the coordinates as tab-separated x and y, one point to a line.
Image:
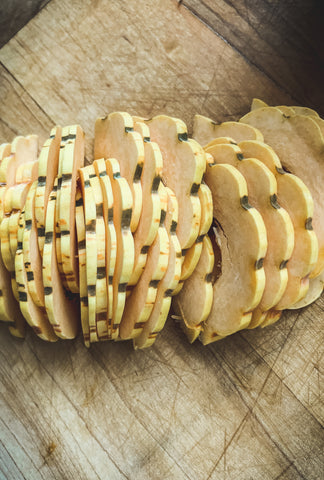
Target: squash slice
139	304
123	202
27	172
62	311
294	197
5	151
111	241
240	286
257	103
299	143
115	138
7	258
262	188
315	290
205	130
90	248
47	172
180	154
149	220
170	280
71	160
35	316
193	304
102	317
81	236
23	150
31	253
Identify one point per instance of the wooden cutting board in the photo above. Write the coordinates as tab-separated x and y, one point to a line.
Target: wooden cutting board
248	407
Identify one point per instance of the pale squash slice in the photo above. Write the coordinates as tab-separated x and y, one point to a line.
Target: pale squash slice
81	236
111	241
299	143
315	290
5	151
35	316
47	171
27	172
123	201
181	154
23	150
13	232
31	254
151	209
193	304
262	188
257	103
7	258
162	304
91	248
205	130
102	316
295	198
15	197
62	311
115	138
140	302
240	286
73	159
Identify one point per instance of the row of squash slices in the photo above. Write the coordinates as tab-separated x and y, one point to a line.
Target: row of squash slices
230	234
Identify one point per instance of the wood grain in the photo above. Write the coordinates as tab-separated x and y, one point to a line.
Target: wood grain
248	407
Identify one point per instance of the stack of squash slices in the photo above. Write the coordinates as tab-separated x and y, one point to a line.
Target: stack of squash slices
224	229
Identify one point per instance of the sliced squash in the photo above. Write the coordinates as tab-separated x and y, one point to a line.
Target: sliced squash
123	201
5	151
23	150
193	304
240	286
205	130
262	188
62	311
256	103
149	220
295	198
47	172
295	139
72	159
170	280
27	172
115	137
111	241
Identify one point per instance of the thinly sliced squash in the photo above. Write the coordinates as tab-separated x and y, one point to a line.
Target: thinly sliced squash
5	151
295	198
13	232
240	287
90	247
257	103
123	201
262	188
205	130
151	211
34	315
111	242
295	139
170	280
5	245
62	311
81	235
181	154
47	171
18	195
27	172
315	290
73	159
115	138
23	150
31	254
193	304
102	316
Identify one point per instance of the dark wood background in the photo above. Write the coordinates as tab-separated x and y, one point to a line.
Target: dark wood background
248	407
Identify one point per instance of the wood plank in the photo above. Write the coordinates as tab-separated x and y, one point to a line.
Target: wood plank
15	14
283	40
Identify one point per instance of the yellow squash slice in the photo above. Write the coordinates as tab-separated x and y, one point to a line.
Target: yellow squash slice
47	171
149	220
27	172
257	103
5	151
111	242
205	130
262	188
193	304
240	286
62	311
115	138
23	150
299	143
123	202
170	280
295	198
